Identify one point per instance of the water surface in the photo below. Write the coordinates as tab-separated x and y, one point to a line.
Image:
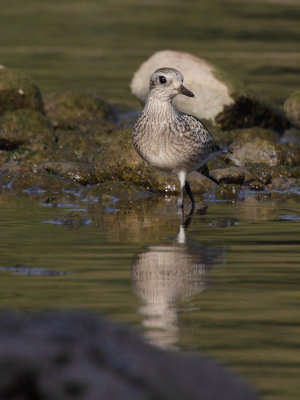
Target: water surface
227	286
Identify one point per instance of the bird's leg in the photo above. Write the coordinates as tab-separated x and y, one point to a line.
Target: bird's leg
181	176
189	192
205	171
181	198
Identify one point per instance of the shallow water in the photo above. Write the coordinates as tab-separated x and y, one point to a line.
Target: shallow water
227	286
98	45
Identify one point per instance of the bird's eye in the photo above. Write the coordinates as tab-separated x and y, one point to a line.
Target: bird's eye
162	79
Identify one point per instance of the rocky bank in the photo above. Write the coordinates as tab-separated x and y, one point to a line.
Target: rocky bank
77	139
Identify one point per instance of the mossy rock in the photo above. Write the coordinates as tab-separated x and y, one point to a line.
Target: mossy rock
265	174
27	128
291	153
119	161
78	111
18	91
228	192
255	146
228	175
75	171
76	145
248	110
256	186
292	108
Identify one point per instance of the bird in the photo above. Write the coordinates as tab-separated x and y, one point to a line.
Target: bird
169	140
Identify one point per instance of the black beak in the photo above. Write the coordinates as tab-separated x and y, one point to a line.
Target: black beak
185	91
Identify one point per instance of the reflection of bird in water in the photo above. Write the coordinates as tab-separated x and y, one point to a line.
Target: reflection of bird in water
164	274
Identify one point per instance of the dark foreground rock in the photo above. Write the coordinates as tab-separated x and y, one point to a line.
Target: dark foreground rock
64	356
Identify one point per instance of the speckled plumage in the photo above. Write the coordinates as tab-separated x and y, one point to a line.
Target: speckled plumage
169	140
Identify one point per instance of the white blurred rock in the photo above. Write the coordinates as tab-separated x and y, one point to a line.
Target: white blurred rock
211	94
218	97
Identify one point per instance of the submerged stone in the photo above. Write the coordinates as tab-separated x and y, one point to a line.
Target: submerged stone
18	91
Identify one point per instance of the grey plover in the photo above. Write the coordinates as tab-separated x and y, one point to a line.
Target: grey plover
167	139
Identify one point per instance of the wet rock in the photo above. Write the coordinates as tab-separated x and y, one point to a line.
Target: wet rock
3	156
257	186
227	192
228	175
18	91
26	128
291	153
265	174
263	177
217	97
61	355
114	191
292	108
78	111
119	161
295	172
78	172
248	110
255	146
77	145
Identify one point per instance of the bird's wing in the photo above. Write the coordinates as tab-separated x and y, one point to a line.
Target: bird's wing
198	133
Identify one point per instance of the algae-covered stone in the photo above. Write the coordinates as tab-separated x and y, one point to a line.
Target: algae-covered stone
228	175
292	108
25	128
227	191
291	153
257	186
78	172
119	161
74	110
249	110
255	146
77	145
218	97
18	91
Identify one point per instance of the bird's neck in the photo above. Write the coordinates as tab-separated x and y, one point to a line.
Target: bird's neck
159	109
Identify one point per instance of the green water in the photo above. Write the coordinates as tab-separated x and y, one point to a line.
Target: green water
97	45
230	287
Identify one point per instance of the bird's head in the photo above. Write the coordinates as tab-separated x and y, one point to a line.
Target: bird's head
166	83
